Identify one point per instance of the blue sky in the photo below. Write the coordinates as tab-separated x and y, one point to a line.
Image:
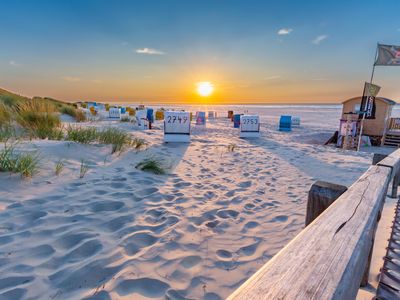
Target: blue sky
252	51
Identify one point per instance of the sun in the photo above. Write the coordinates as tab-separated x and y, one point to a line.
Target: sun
205	88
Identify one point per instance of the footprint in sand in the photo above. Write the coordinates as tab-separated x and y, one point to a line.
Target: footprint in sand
224	254
106	206
147	287
227	213
190	261
281	218
138	241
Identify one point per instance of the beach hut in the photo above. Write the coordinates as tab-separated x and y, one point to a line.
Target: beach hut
375	128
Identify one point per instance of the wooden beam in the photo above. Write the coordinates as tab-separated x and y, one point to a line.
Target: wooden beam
328	258
321	195
393	161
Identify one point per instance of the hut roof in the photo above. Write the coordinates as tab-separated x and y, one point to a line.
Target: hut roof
388	101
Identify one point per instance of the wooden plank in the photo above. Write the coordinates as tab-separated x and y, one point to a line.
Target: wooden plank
392	161
321	195
328	258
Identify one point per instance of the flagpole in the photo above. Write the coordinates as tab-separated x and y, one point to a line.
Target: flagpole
370	82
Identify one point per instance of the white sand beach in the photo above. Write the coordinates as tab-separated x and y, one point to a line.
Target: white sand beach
197	232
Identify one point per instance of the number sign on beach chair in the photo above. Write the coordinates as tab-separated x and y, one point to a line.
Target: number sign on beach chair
114	113
285	123
200	118
176	126
249	126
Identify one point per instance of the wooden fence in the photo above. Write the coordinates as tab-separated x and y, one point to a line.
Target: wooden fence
328	258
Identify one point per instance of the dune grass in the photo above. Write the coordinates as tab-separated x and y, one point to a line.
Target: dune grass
5	115
83	135
84	168
116	137
6	129
80	116
152	165
59	167
110	136
68	110
39	119
25	164
138	143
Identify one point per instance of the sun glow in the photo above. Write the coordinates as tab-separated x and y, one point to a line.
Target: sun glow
205	88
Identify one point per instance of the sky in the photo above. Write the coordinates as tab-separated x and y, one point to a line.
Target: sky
155	51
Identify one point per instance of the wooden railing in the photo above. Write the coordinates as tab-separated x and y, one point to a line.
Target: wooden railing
327	259
394	124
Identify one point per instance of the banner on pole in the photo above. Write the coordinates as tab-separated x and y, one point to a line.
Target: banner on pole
388	55
368	106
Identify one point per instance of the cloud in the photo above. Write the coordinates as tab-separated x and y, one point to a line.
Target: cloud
71	79
13	63
149	51
319	39
284	31
272	77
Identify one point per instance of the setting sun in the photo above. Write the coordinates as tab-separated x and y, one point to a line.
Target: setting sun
205	88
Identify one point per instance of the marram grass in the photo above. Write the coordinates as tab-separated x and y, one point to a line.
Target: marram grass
25	164
152	165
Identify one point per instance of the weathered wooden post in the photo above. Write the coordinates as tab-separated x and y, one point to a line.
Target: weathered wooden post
377	158
321	195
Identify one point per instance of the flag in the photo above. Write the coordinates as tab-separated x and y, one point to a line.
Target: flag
368	106
371	89
388	55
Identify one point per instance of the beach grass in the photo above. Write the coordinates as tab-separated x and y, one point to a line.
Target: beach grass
80	116
25	164
83	135
138	143
83	169
59	167
152	165
5	115
116	137
39	119
110	136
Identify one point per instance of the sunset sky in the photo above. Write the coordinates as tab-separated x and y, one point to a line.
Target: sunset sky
157	51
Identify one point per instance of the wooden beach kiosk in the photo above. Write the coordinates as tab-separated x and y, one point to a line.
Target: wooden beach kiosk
379	130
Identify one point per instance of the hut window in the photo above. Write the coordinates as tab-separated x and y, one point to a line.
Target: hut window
357	107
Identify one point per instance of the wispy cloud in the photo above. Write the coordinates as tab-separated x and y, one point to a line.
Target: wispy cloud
13	63
319	39
285	31
272	77
71	79
149	51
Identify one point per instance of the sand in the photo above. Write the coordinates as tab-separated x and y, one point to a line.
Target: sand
196	233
